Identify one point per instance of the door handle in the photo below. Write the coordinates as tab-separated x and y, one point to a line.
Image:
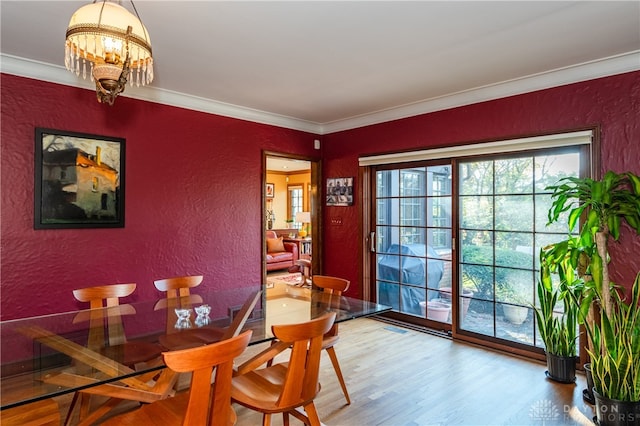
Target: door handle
372	241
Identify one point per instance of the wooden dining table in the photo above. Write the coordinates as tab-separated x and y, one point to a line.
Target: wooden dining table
49	355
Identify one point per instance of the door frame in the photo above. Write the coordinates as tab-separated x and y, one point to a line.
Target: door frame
315	208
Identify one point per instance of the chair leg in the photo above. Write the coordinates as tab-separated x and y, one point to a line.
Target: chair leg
285	419
336	366
266	419
312	414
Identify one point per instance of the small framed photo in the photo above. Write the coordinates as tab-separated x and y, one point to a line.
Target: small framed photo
79	180
340	191
270	190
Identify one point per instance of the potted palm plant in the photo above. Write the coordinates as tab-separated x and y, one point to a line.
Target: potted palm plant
559	331
612	324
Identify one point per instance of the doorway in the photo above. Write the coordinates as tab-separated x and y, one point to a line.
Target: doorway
291	212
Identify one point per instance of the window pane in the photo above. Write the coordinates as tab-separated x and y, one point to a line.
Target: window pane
476	178
514	249
440	240
543	204
413	182
551	168
413	212
480	279
514	212
387	211
439	211
477	247
387	183
514	176
476	212
514	286
387	236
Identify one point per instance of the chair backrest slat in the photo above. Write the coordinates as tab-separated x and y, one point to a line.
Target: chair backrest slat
201	361
332	285
104	295
178	286
301	382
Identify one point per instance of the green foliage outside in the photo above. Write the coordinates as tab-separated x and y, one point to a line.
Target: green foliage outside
487	282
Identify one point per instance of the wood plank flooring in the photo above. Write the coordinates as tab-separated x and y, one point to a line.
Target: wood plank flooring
403	377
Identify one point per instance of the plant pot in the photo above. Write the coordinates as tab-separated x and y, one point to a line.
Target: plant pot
561	368
515	314
436	310
445	294
466	300
587	394
611	412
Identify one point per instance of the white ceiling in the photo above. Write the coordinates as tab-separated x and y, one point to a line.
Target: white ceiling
325	66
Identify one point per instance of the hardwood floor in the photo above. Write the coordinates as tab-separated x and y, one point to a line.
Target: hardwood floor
399	377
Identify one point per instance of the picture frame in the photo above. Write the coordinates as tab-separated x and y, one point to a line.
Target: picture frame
79	180
340	191
270	190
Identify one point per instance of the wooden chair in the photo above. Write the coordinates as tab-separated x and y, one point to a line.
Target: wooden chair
204	403
118	348
305	268
127	353
334	286
178	295
285	387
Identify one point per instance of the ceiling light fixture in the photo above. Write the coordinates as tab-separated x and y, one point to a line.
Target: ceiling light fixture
114	42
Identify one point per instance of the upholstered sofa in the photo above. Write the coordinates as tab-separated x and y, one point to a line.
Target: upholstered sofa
280	254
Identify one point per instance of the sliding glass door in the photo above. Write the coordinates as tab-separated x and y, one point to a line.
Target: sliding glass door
413	241
455	244
502	224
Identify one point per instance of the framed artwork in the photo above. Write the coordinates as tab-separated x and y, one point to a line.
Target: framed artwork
270	190
340	191
79	180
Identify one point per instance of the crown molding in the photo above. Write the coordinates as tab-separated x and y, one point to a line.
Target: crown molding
56	74
613	65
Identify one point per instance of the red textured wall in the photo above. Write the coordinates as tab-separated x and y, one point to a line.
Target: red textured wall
612	103
193	194
193	183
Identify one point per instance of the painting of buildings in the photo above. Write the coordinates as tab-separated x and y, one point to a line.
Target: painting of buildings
80	182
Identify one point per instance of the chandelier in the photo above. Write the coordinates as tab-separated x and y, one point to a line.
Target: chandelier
113	43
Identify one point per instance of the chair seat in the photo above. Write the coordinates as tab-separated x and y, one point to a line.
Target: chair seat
279	256
262	388
132	353
191	338
329	341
